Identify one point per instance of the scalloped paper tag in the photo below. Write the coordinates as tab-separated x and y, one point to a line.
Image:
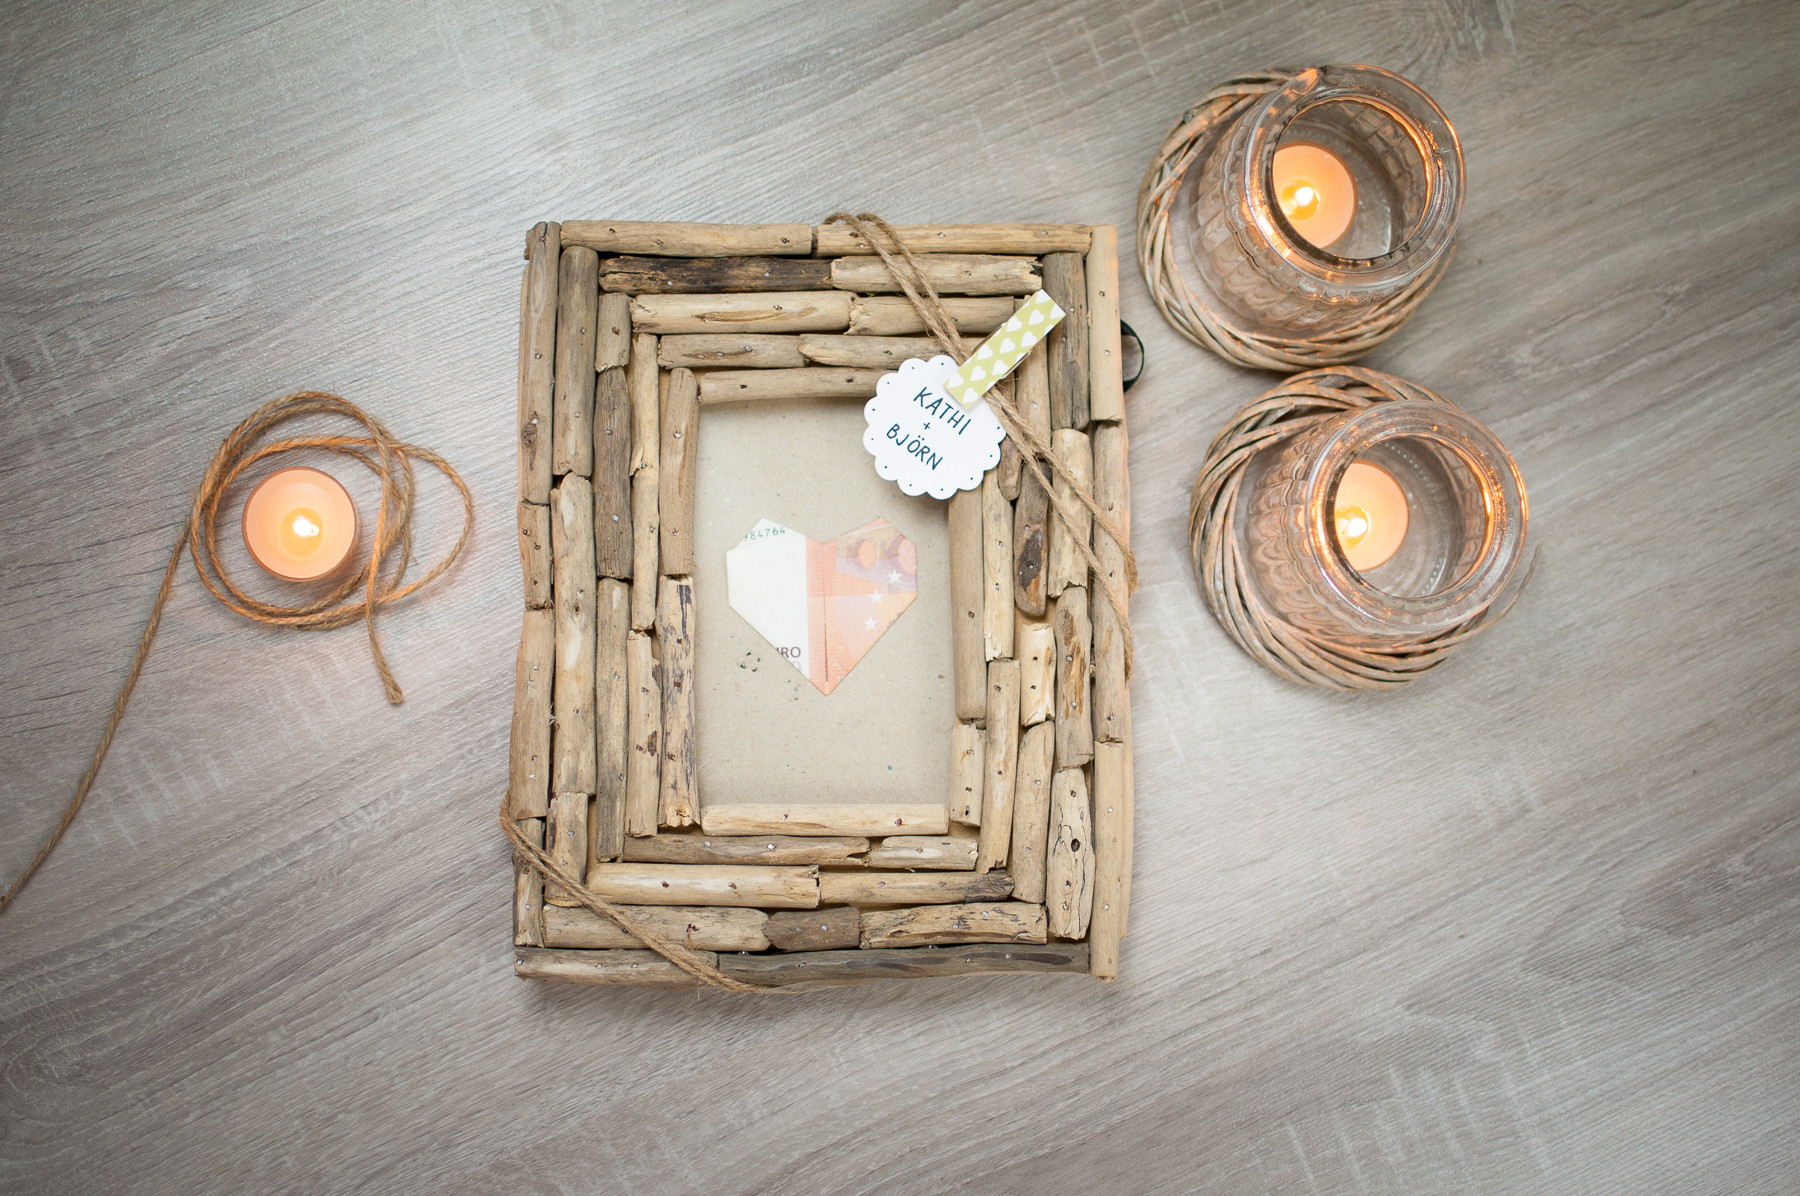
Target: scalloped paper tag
922	439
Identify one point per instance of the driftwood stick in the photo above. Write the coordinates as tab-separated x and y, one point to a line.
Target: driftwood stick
968	772
528	783
949	274
566	841
1031	547
612	475
1069	876
866	821
572	764
646	455
1068	344
1034	646
1112	841
1074	640
833	969
758	885
612	339
938	853
534	553
680	459
537	361
1011	469
678	805
1106	389
690	847
988	922
828	928
707	276
612	697
699	927
968	659
638	969
528	891
778	311
1002	752
868	888
812	382
865	352
1068	566
840	240
577	310
643	768
996	570
739	350
1112	490
646	534
878	315
1031	813
646	401
674	239
1032	391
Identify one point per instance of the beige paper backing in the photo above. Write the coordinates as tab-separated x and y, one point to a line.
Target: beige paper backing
765	734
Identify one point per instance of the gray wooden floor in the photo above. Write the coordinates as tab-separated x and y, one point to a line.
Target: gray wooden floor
1533	926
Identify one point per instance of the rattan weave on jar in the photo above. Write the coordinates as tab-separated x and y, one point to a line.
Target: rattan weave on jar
1192	313
1305	657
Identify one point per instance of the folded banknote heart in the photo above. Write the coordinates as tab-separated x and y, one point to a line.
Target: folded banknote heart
822	604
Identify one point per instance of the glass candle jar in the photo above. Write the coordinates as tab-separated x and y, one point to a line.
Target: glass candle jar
1352	157
1460	509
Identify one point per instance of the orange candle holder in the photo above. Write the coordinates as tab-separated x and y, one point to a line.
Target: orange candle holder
300	524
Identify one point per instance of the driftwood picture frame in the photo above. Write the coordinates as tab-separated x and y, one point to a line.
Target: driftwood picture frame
629	334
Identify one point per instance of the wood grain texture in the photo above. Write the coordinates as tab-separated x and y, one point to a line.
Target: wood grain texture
1066	282
572	766
828	928
911	888
676	276
702	927
643	767
949	274
953	852
933	925
534	553
1532	927
678	801
577	311
810	382
782	311
688	239
612	337
712	350
699	848
894	315
675	474
612	475
765	887
612	720
1000	763
967	655
537	360
837	240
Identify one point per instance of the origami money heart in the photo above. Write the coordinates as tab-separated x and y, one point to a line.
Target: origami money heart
822	606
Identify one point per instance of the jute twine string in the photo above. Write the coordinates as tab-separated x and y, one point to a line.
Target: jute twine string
1309	658
907	270
1187	147
924	297
391	545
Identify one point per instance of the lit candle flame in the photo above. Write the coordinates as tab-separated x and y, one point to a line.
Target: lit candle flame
1352	526
305	527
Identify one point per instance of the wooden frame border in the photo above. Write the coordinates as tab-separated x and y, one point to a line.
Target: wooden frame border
628	331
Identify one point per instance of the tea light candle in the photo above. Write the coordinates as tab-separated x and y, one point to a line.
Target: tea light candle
1371	515
299	524
1315	191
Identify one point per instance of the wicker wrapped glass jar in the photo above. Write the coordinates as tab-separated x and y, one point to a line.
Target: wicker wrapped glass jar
1464	525
1400	156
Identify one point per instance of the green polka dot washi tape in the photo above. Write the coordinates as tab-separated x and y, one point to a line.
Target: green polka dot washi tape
1004	350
